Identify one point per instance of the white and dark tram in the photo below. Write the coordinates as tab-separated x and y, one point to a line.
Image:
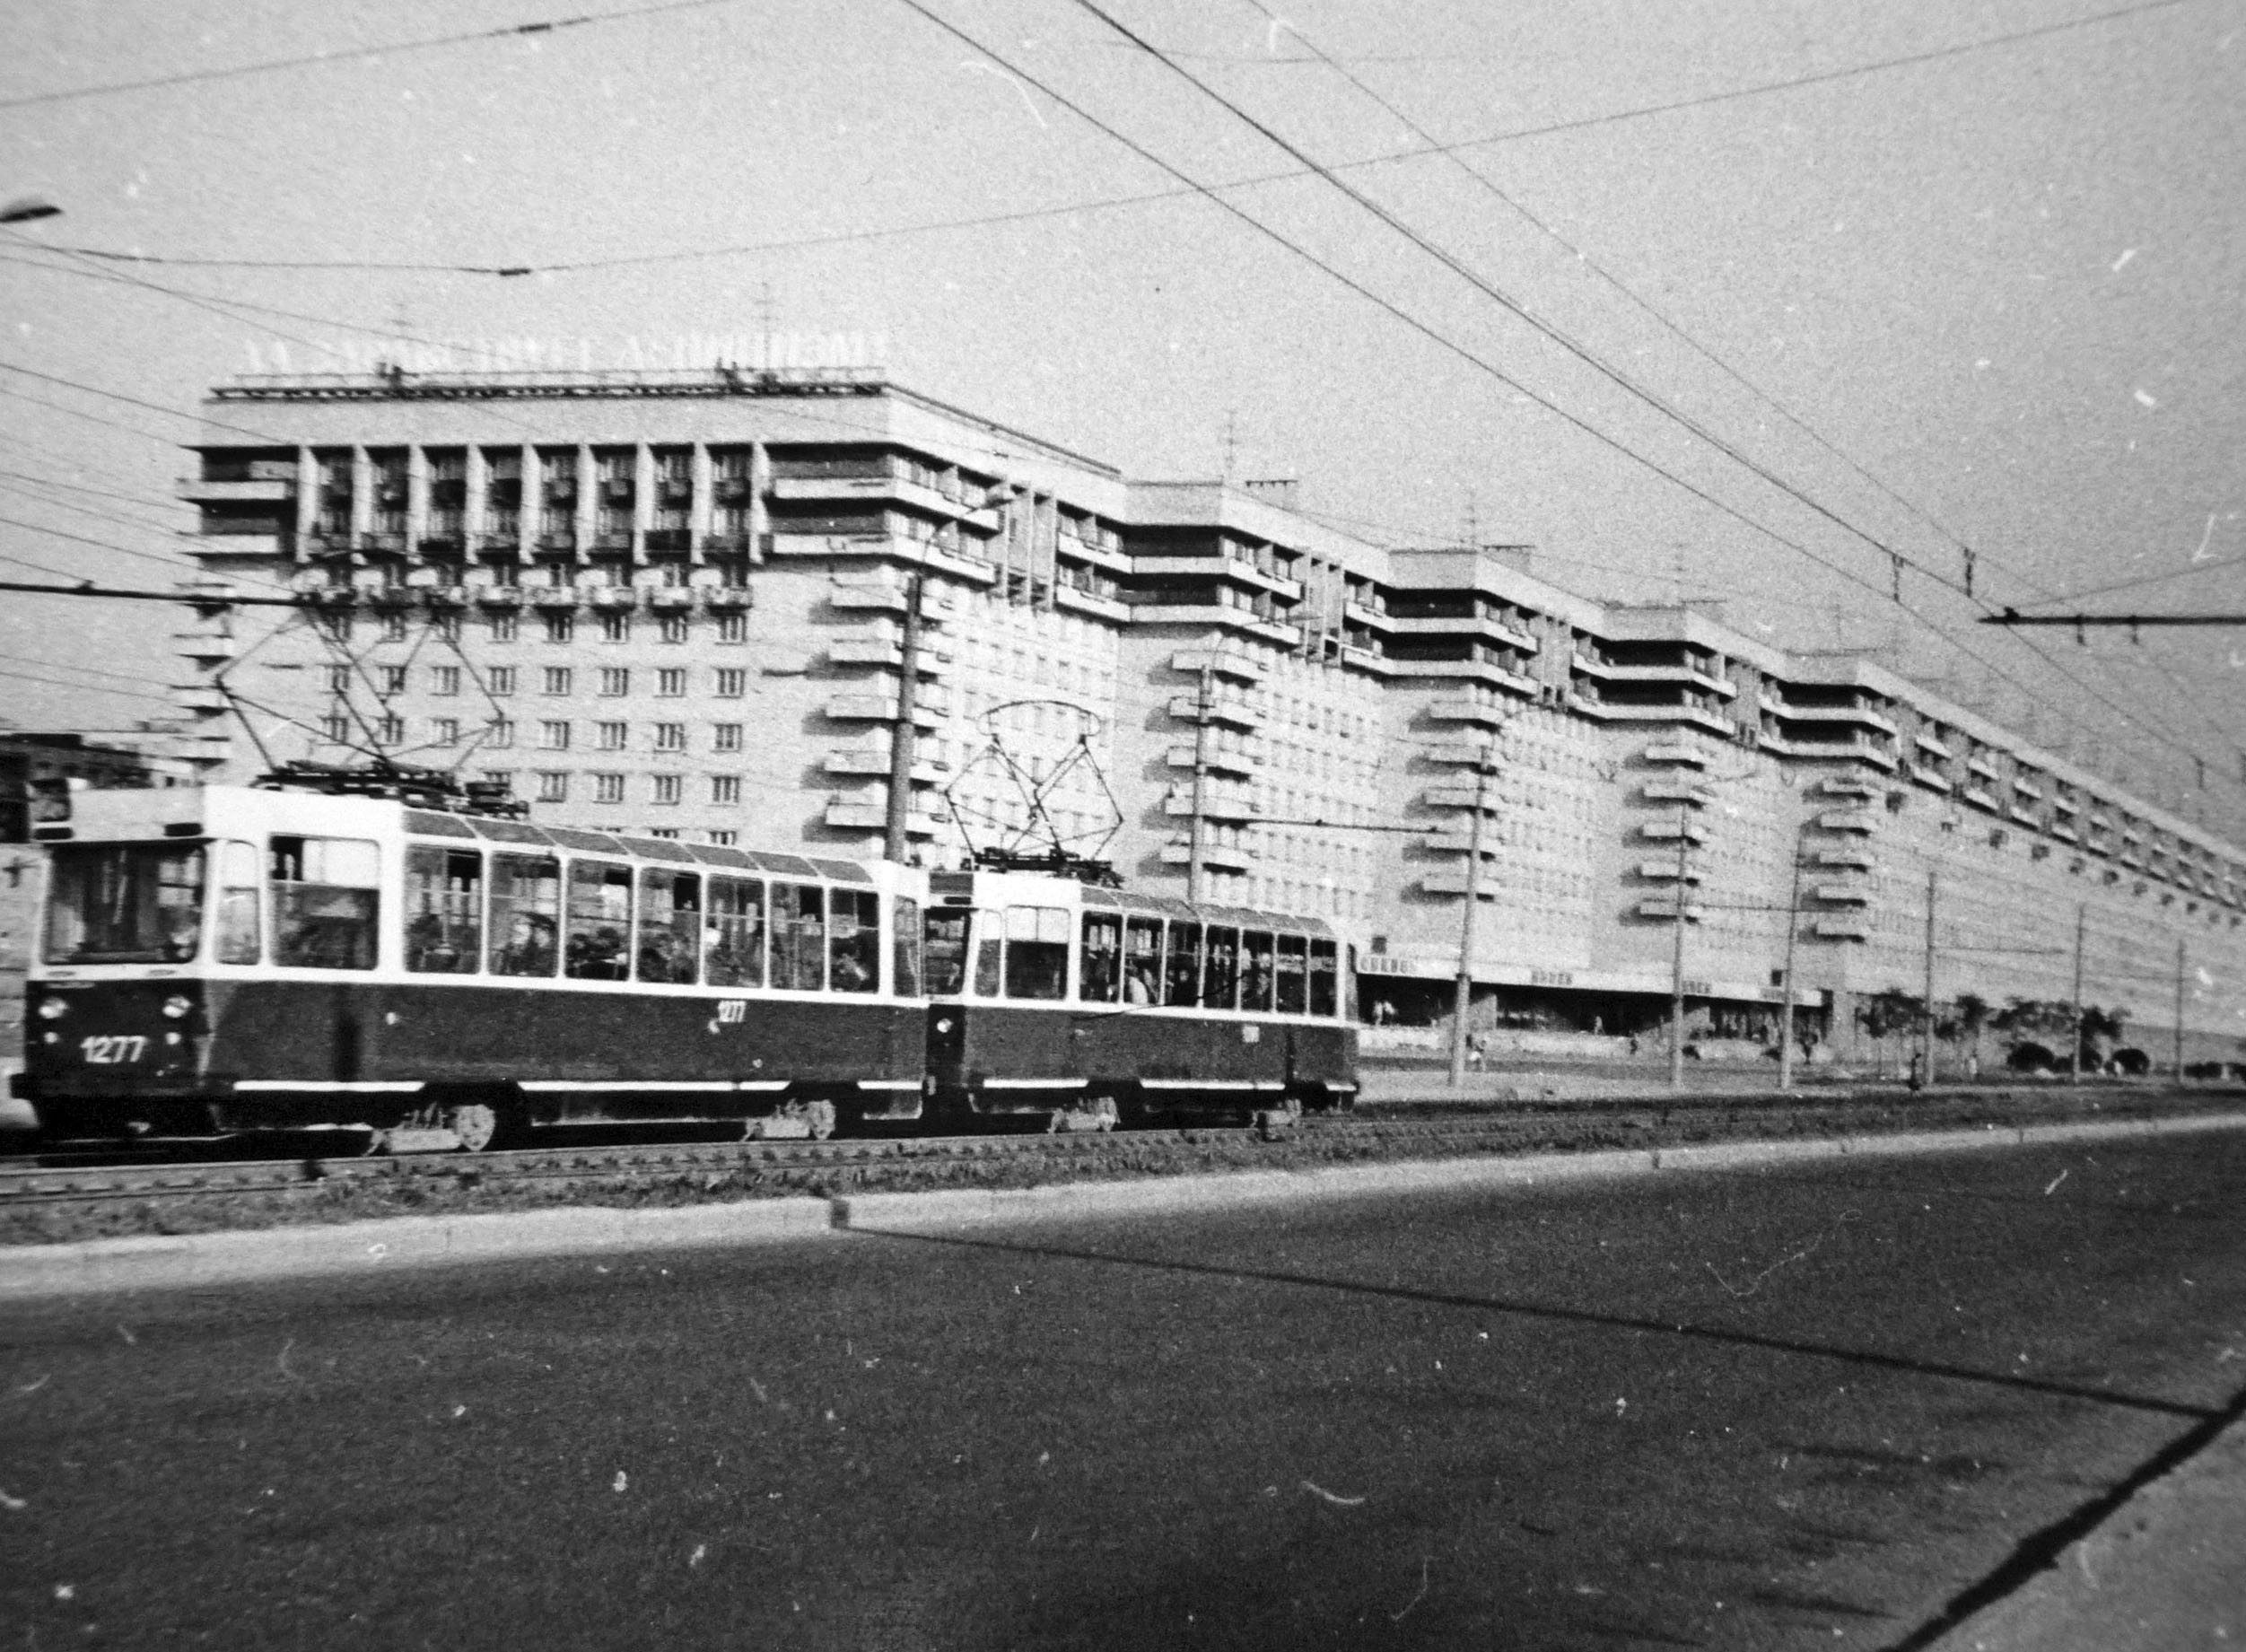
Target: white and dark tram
219	960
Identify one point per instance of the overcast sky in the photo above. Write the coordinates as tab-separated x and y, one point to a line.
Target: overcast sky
1965	274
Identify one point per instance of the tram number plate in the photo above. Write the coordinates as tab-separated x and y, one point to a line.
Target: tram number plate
109	1050
732	1010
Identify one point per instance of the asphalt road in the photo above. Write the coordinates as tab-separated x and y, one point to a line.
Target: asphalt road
1788	1409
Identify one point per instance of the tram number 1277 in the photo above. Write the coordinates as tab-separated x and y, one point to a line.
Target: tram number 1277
108	1050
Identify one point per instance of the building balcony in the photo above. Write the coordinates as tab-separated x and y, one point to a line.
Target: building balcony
1671	752
1465	670
2024	787
1669	831
555	596
1793	712
880	708
1465	626
1922	776
1373	619
1246	575
1846	820
200	697
1485	714
498	596
1982	767
1665	907
1674	791
1668	871
725	598
930	661
1459	795
1843	894
2024	817
1236	763
1842	927
204	645
886	490
1222	709
255	490
1216	803
1853	860
1220	663
2065	832
1849	786
1364	659
880	596
1455	883
1859	750
1932	747
1976	798
875	818
1216	858
1694	716
1218	617
1462	751
669	598
1113	609
872	762
1073	549
1684	676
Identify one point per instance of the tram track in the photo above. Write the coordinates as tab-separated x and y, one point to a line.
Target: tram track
750	1168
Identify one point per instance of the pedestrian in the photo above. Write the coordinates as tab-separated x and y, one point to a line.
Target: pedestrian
1918	1071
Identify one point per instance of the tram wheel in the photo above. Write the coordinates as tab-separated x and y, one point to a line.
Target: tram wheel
481	1127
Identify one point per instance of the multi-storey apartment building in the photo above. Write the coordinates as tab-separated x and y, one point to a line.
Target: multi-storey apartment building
681	604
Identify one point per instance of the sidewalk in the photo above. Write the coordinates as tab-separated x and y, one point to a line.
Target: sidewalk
2167	1569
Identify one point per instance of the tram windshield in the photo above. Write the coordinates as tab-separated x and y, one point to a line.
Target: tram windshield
124	904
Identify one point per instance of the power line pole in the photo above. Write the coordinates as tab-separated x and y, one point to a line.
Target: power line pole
1793	932
2180	961
1925	1031
1676	950
2081	923
897	842
1197	856
1462	990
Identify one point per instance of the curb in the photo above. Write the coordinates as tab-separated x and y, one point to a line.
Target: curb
97	1266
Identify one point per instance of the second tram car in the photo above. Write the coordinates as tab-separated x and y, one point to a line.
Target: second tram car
225	960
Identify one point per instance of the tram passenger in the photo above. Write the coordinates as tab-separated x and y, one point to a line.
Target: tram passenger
1099	972
1138	986
849	975
529	950
597	954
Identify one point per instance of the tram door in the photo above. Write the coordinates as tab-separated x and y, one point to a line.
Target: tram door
946	937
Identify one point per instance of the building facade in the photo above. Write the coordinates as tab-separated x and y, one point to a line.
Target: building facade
680	603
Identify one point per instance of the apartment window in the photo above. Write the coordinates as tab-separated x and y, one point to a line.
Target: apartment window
724	836
615	680
725	788
670	736
560	627
393	627
501	680
554	736
615	627
553	786
667	788
445	627
673	628
671	681
391	731
444	732
338	678
732	682
444	679
499	732
728	737
607	788
668	834
558	679
732	627
505	627
334	730
393	679
614	735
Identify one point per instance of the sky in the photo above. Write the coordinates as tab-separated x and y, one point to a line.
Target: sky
1799	305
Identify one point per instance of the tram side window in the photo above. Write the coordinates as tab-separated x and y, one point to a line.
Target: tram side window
1255	977
1142	960
1100	969
945	950
1294	987
599	921
240	896
736	934
325	902
1036	952
1325	996
1220	981
124	904
904	945
798	936
1181	966
670	924
990	954
444	909
525	915
854	942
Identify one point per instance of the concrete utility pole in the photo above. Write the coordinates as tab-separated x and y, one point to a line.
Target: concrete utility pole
2180	960
897	842
1462	989
1925	1030
1197	855
1793	932
2081	923
1676	950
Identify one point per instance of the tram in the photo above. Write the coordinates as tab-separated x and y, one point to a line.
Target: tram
219	960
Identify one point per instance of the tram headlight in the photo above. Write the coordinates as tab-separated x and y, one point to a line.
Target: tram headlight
52	1009
178	1005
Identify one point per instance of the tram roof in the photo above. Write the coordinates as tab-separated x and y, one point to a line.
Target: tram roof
427	823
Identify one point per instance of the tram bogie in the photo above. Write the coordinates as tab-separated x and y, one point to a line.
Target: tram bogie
228	960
